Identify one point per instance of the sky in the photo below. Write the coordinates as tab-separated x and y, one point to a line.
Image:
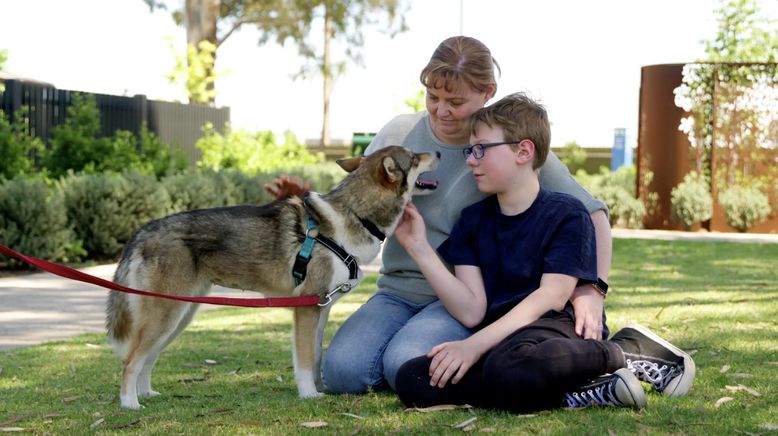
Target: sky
581	59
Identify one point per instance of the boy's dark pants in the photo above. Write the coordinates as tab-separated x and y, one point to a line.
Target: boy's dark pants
529	370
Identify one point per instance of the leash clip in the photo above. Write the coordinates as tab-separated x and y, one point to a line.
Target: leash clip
343	288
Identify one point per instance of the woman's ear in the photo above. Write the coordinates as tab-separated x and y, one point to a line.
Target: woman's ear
525	152
490	91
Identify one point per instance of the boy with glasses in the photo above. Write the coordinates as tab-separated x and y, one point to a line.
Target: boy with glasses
517	256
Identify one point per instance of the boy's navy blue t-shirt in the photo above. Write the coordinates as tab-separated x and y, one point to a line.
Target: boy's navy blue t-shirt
555	235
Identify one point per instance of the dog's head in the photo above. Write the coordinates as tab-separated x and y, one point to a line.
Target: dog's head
396	168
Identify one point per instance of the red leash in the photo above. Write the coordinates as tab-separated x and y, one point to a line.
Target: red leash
70	273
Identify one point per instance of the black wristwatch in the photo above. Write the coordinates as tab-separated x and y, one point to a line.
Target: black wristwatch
601	287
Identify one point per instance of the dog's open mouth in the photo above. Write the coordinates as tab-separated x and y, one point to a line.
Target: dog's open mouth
426	184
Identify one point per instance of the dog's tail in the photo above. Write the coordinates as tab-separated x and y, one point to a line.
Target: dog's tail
117	313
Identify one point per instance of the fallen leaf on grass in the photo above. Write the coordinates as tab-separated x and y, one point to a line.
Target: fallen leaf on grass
250	422
488	430
740	387
210	362
98	422
193	379
769	363
88	345
722	400
126	424
438	408
465	423
351	415
313	424
740	375
724	369
14	420
769	427
11	429
71	399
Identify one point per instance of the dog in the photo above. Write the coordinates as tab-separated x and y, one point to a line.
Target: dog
257	248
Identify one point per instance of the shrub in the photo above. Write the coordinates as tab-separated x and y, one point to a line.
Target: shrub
201	189
744	206
17	146
163	159
251	153
33	220
691	201
617	191
573	156
105	209
75	143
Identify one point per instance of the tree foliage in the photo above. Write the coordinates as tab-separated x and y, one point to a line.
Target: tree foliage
287	21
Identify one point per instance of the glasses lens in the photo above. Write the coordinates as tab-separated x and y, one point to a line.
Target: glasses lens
478	151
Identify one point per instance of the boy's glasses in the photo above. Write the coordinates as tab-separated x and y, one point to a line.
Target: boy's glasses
478	150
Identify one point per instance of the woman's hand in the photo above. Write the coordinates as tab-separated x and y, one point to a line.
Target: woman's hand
451	361
411	232
287	186
587	306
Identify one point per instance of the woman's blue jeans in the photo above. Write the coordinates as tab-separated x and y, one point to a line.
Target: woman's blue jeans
387	331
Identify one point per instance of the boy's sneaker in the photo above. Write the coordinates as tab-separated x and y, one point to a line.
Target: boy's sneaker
620	389
653	360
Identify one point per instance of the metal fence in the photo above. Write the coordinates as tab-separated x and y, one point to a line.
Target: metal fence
174	123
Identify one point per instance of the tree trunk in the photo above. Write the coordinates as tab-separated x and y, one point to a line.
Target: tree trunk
327	73
200	18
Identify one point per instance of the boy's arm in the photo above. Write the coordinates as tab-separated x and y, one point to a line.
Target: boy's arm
451	360
554	292
463	294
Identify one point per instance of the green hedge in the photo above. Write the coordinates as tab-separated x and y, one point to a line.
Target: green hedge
94	215
33	220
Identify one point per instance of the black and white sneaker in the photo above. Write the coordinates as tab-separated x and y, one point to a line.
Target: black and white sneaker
653	360
620	389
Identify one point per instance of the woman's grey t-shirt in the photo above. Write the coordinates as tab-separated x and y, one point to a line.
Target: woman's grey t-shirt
456	189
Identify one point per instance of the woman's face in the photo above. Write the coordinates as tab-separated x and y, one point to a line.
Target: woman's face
450	110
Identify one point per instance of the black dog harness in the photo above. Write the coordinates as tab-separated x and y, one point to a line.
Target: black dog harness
300	268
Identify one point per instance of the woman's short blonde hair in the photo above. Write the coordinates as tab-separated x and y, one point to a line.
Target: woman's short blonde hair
461	59
520	118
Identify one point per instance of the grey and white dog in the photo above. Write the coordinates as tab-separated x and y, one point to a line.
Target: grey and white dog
255	248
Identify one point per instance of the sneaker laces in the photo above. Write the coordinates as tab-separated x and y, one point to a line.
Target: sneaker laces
601	396
651	372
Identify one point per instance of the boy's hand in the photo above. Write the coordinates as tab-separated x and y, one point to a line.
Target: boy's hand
287	186
411	232
587	306
451	361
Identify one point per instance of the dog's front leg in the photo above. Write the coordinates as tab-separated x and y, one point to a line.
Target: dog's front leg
306	345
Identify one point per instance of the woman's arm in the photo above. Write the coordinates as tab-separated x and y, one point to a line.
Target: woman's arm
587	302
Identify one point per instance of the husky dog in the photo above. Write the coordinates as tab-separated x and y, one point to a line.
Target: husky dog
256	248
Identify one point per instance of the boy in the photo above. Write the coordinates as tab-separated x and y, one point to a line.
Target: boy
517	257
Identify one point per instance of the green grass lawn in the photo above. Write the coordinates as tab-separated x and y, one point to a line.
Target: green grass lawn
230	372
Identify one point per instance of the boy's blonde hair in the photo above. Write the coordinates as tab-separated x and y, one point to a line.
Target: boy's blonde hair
460	59
520	118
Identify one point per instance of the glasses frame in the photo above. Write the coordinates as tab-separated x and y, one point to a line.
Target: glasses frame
479	150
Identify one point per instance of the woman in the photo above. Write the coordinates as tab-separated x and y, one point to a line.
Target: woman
404	319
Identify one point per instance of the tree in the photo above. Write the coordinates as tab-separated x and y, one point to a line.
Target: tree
745	34
291	20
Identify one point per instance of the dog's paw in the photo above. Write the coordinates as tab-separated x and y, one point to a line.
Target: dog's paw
149	394
307	395
130	404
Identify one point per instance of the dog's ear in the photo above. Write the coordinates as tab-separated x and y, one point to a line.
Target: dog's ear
350	163
393	174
